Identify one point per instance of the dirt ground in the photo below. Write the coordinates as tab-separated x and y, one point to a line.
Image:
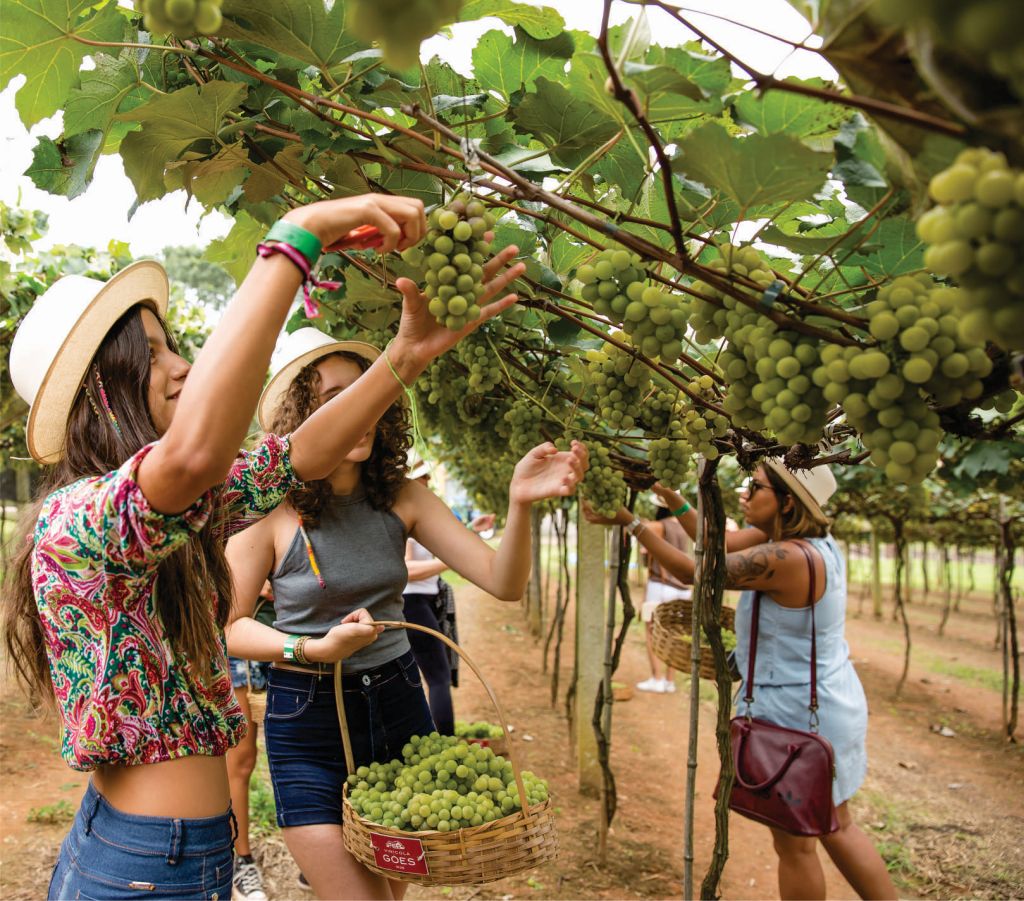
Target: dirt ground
946	810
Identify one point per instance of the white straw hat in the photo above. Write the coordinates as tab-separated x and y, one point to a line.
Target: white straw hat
59	337
812	487
298	350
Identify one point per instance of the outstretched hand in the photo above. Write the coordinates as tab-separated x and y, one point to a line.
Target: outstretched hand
420	332
597	519
548	472
672	498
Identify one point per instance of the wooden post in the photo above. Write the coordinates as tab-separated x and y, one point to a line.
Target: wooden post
876	573
534	591
590	586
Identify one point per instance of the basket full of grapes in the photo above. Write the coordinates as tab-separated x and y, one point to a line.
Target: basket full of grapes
486	735
672	636
449	812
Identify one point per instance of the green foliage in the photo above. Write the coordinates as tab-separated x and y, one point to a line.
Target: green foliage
51	814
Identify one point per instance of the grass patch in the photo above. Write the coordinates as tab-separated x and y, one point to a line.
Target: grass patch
887	826
262	809
986	678
52	814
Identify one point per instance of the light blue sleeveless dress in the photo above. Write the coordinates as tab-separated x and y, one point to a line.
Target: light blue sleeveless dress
782	675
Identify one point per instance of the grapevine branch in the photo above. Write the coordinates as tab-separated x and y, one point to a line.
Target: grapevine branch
629	99
764	82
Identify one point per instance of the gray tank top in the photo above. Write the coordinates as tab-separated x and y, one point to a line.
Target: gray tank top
361	555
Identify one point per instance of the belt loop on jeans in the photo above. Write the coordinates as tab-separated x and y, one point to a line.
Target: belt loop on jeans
175	849
90	813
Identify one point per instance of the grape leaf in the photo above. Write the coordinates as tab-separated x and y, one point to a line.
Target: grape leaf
506	67
897	249
754	170
660	80
236	251
65	167
211	181
566	254
412	184
38	41
540	22
571	126
303	29
95	101
783	112
563	331
169	125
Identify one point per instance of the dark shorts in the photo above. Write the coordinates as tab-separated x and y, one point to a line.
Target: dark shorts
252	674
113	855
384	706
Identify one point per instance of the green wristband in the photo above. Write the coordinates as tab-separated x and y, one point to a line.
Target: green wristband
683	509
305	242
289	648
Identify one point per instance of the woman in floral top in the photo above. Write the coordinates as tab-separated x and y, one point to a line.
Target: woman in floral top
119	590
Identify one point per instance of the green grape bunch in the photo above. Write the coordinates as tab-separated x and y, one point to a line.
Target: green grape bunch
603	485
619	381
400	26
976	238
441	783
884	391
655	320
481	360
522	423
182	18
452	259
768	368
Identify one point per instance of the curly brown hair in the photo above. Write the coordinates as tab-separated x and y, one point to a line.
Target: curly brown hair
383	473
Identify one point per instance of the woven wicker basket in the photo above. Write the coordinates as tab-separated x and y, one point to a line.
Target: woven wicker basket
671	629
498	745
469	856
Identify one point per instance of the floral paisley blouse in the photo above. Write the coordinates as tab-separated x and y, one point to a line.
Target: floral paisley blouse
124	695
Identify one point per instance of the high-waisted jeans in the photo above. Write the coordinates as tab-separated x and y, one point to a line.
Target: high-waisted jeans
384	707
109	855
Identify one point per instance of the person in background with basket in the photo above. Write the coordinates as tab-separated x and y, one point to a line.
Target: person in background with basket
249	681
118	589
336	545
662	586
430	601
793	577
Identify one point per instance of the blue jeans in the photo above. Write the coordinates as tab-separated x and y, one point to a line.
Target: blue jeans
432	659
384	707
251	674
109	855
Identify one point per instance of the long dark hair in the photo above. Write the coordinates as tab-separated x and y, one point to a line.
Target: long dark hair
188	580
382	474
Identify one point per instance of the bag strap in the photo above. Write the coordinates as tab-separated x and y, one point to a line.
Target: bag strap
755	621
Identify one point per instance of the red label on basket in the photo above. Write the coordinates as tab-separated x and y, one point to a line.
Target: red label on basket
404	855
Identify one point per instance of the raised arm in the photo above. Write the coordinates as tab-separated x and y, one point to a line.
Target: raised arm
778	568
735	539
216	405
334	429
544	472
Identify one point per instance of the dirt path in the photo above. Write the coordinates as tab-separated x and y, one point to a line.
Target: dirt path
947	812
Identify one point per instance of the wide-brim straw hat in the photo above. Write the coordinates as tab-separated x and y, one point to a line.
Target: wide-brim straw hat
812	487
297	351
59	337
418	467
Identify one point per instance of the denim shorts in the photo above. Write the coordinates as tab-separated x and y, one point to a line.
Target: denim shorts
384	707
109	855
252	674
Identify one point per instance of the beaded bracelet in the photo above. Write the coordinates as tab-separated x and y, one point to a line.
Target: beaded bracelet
683	509
299	651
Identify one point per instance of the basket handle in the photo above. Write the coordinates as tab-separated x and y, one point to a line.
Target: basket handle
339	702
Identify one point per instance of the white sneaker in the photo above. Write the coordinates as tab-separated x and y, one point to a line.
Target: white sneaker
668	686
247	884
652	684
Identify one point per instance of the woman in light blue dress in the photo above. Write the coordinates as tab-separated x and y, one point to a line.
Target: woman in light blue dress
780	506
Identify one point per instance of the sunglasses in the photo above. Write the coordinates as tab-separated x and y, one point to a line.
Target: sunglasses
753	486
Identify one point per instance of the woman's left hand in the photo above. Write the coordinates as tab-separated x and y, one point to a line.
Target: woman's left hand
621	518
419	334
548	472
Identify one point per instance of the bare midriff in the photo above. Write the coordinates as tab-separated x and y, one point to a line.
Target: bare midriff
187	787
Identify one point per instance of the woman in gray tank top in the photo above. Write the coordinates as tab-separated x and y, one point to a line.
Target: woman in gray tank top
336	547
781	505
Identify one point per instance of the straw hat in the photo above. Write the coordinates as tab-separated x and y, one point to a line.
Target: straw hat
812	487
57	340
297	351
